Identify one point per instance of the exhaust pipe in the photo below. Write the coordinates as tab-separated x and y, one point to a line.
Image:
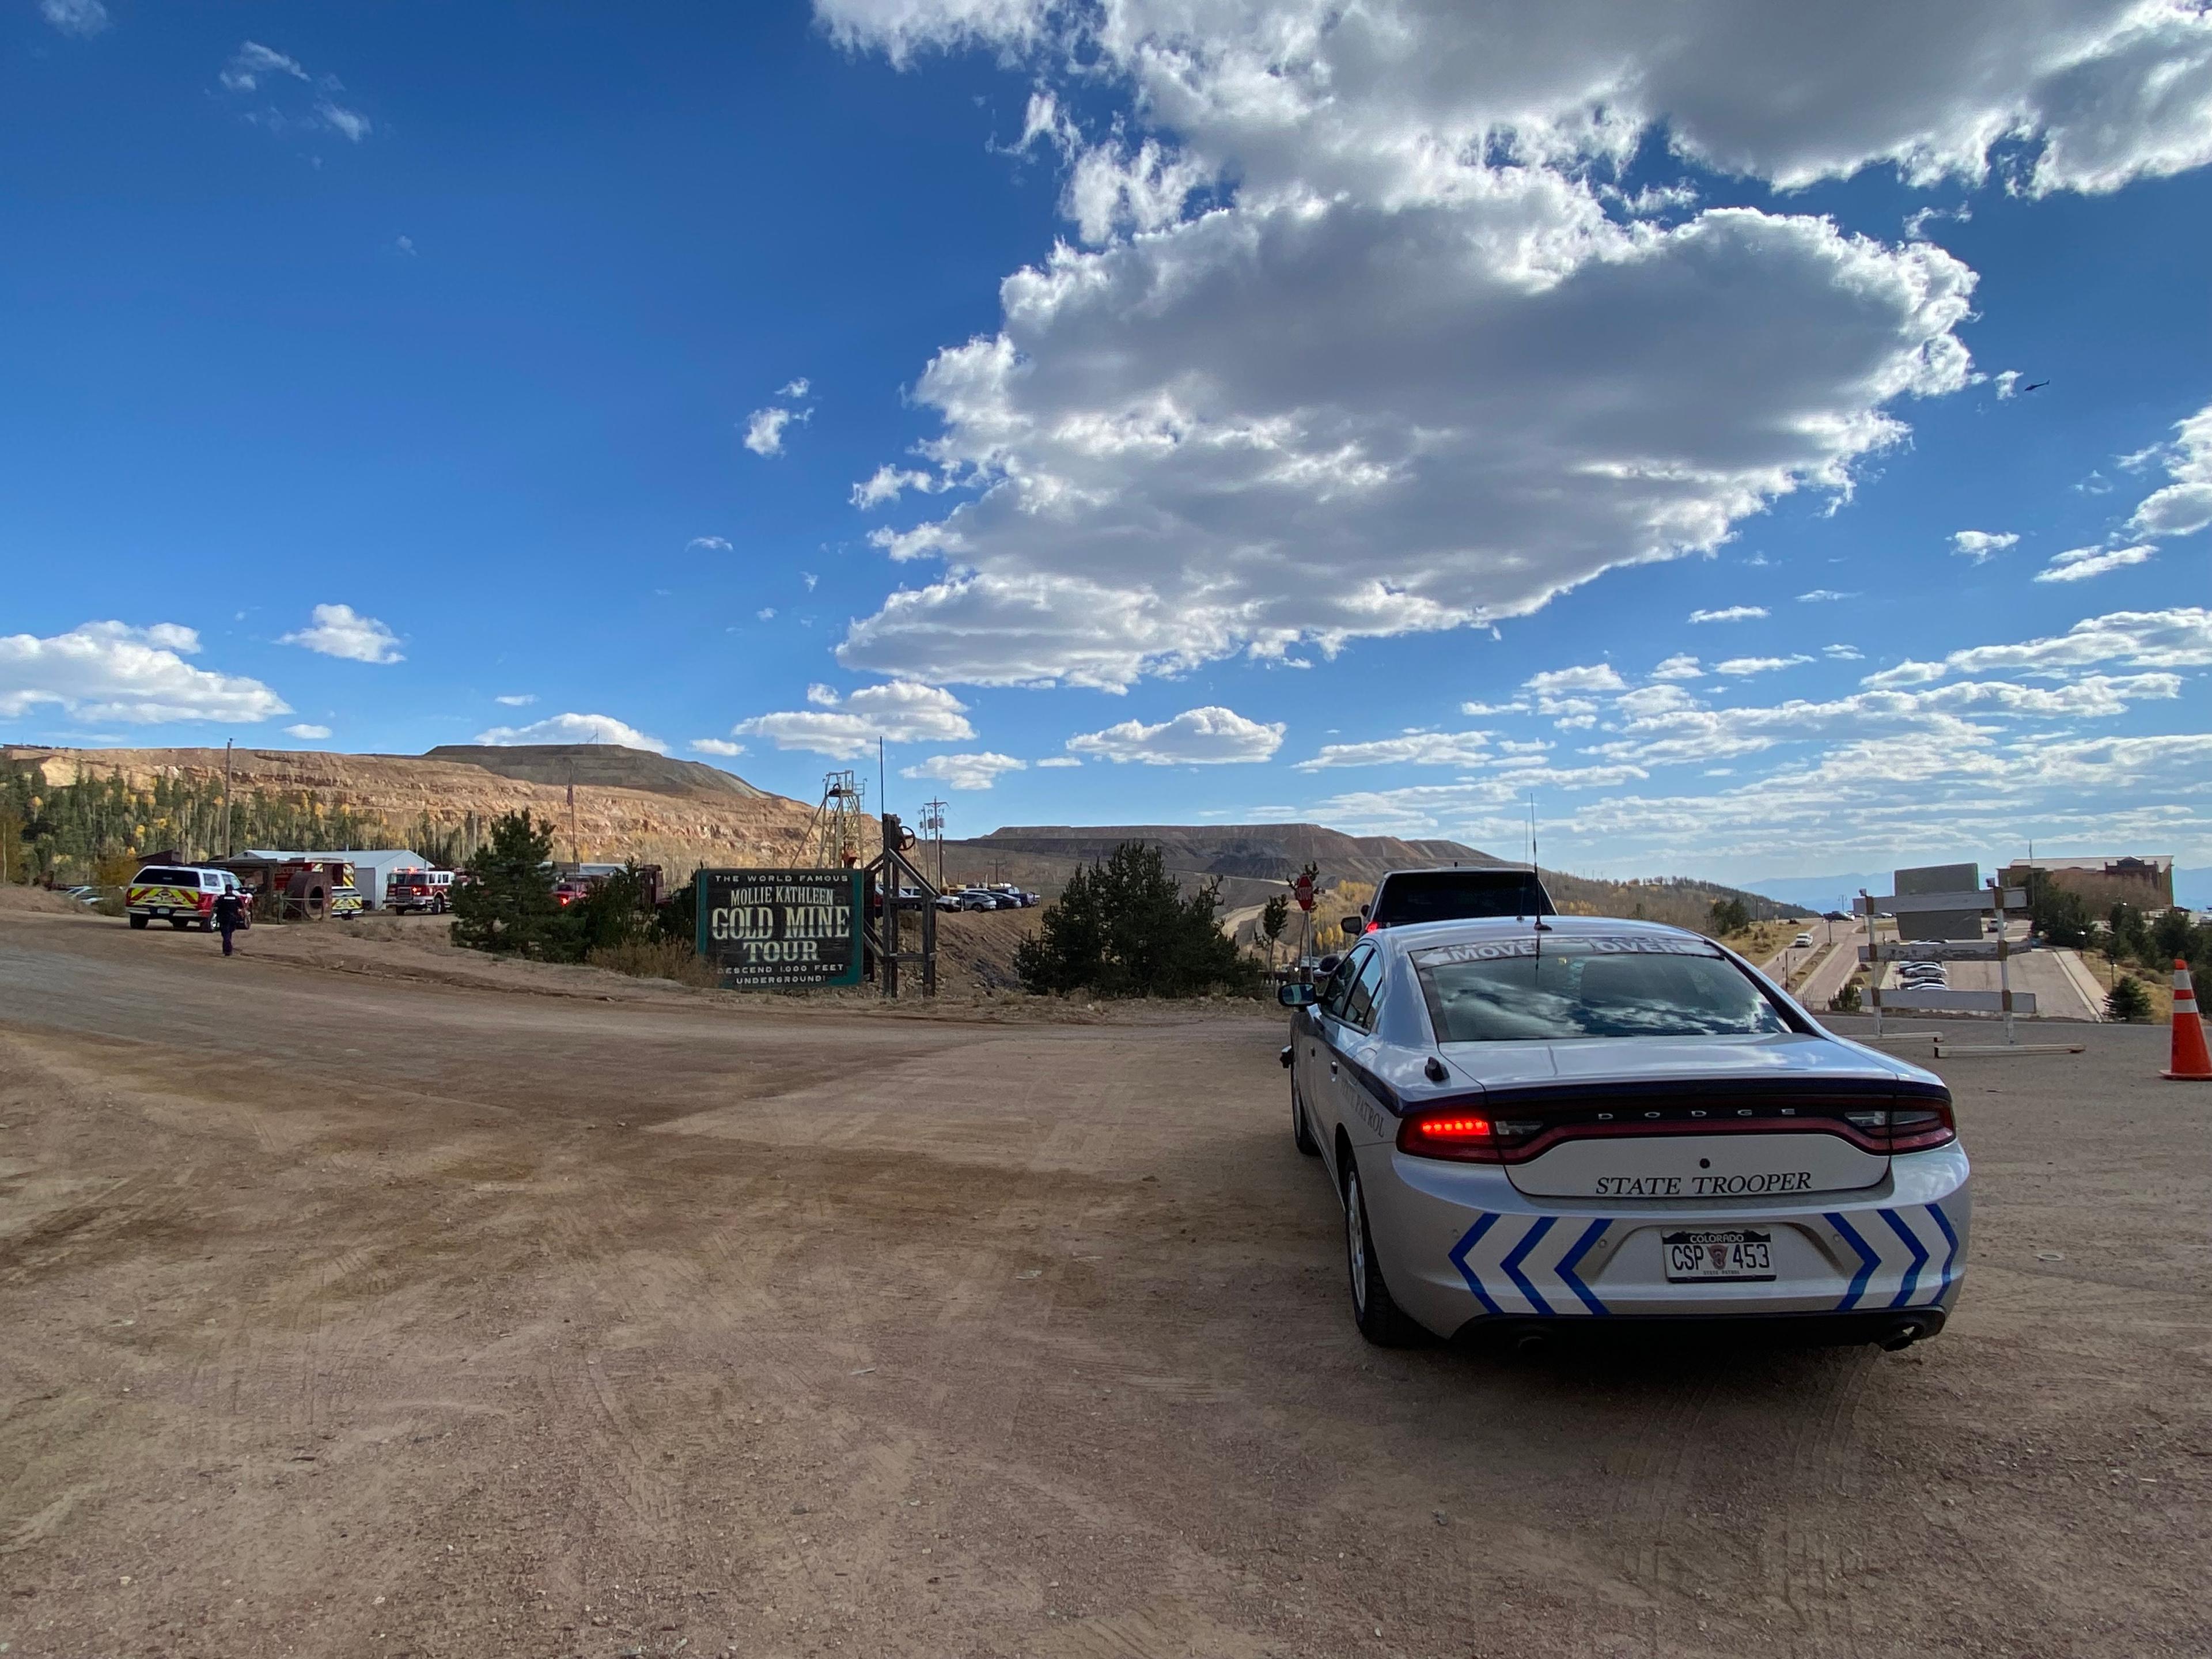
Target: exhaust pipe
1902	1334
1529	1344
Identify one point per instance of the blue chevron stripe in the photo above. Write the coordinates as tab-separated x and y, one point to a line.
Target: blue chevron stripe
1459	1261
1567	1268
1919	1258
1520	1252
1868	1261
1945	1276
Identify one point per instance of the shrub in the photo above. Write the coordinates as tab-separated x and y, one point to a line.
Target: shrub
1728	916
1125	928
1845	1001
656	958
2128	1001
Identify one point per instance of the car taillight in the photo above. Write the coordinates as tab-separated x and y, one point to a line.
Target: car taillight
1916	1129
1468	1136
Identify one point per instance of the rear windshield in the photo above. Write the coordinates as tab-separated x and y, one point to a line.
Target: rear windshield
1459	896
1551	990
160	875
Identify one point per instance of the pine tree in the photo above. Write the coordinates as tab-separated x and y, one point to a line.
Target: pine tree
507	904
1126	928
2128	1001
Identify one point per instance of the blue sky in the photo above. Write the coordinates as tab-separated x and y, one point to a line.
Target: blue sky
1207	411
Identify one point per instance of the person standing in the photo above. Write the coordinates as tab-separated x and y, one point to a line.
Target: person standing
229	911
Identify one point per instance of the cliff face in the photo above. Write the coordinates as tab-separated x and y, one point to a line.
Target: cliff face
629	804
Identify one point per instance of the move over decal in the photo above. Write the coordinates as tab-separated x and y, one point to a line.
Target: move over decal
1532	1265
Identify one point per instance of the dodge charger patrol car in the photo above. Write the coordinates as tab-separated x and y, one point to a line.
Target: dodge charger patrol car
1532	1120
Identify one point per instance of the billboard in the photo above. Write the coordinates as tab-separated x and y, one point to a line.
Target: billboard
781	930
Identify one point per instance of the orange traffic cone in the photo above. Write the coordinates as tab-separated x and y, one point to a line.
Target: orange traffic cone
2191	1063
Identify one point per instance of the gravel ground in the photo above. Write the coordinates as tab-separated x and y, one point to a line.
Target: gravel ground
542	1324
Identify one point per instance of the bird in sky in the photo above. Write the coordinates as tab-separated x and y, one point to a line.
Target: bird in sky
2037	386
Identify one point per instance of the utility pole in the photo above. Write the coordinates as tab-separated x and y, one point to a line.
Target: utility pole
932	824
576	857
226	743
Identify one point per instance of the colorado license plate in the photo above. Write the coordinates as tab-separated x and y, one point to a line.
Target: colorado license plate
1730	1253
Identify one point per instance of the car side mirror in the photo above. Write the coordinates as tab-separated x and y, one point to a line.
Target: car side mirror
1326	966
1353	925
1297	995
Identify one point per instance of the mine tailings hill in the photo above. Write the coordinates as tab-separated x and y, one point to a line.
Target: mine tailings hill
1251	861
630	804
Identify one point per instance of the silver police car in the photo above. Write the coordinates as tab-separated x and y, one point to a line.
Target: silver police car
1541	1120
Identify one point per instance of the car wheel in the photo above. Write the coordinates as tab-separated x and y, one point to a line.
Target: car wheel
1301	1134
140	921
1380	1319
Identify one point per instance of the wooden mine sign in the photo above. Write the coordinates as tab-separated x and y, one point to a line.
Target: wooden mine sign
781	930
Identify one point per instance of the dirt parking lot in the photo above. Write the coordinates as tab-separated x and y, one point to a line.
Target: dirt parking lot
349	1314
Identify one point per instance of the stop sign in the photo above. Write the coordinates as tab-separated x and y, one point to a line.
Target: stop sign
1303	888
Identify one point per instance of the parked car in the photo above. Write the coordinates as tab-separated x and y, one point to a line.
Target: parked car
1406	898
182	895
975	898
1531	1131
950	900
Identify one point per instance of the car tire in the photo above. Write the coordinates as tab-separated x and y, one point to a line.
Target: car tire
1380	1319
1301	1134
140	921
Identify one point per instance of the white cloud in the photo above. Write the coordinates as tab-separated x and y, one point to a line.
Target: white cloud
886	482
1843	652
1682	667
2093	93
349	125
1219	434
82	18
1590	677
1414	749
721	746
1982	545
1211	736
1757	664
708	544
108	671
251	61
2179	638
1518	706
964	771
798	388
765	613
340	631
2078	563
574	728
764	429
517	699
1691	733
2184	506
1056	761
898	711
2008	383
1732	613
405	245
307	731
1823	596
